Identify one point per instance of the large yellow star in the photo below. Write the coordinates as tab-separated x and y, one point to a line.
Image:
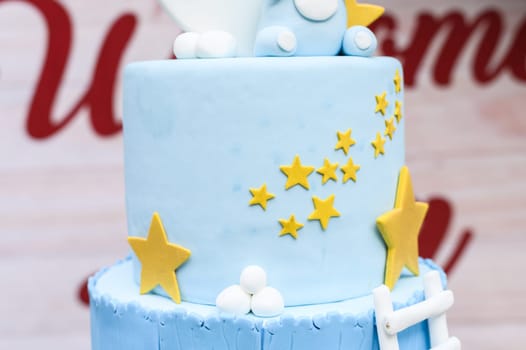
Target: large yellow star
296	173
260	196
390	128
378	145
344	141
399	228
397	82
362	14
290	227
323	210
159	259
381	103
349	170
328	170
398	111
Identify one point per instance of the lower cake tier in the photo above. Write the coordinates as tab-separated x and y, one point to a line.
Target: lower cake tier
121	318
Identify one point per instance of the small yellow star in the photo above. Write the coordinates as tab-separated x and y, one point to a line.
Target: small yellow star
159	259
328	171
399	228
361	14
381	103
296	173
344	141
398	111
260	196
323	210
390	128
397	82
290	227
349	171
378	145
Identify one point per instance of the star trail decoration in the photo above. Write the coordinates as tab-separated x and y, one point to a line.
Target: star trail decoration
349	171
378	145
297	173
260	196
328	171
398	111
344	141
290	227
397	82
381	103
323	210
389	128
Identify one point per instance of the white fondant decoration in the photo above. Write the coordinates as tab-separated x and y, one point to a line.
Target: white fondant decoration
253	279
287	41
317	10
438	331
268	302
234	300
237	17
437	302
185	44
215	44
363	40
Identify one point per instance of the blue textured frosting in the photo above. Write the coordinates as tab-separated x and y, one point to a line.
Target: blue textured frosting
121	318
200	133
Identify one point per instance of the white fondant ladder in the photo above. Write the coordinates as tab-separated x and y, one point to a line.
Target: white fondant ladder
390	323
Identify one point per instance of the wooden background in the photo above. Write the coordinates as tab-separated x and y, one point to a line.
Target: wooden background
62	212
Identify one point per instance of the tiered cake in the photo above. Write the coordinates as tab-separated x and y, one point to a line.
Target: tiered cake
290	166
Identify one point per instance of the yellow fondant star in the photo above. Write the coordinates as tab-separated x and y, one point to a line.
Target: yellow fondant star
397	82
290	227
378	145
349	170
323	210
328	171
362	14
344	141
381	103
296	173
260	196
159	259
390	128
399	228
398	111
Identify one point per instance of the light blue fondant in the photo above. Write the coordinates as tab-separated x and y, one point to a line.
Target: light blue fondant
200	133
124	319
314	38
350	47
326	37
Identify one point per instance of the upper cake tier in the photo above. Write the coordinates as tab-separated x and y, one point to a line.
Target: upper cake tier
238	157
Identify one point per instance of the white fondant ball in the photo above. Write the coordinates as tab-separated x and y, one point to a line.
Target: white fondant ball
253	279
287	41
317	10
359	41
185	44
362	40
216	44
268	302
234	300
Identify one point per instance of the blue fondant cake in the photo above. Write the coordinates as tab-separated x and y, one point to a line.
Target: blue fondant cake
267	196
198	134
